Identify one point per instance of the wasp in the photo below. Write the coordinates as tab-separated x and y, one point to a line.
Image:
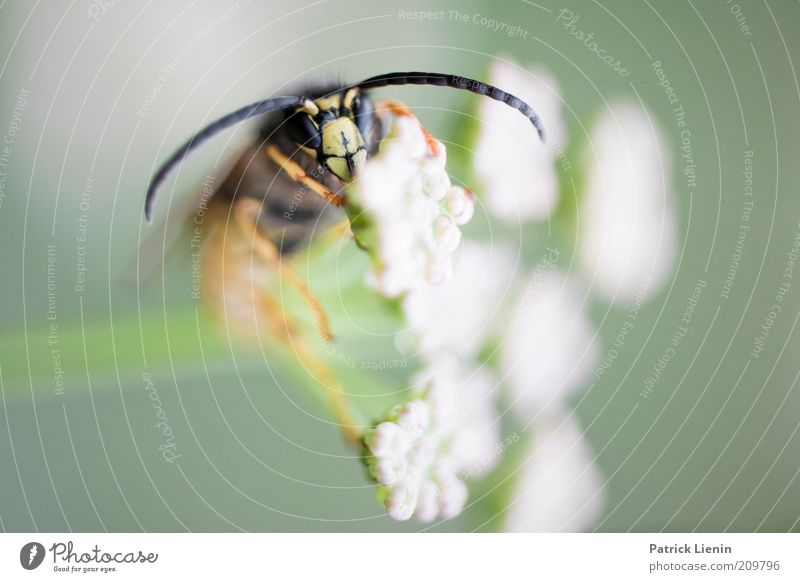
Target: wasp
290	182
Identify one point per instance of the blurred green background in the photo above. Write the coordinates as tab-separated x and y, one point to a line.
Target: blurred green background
89	108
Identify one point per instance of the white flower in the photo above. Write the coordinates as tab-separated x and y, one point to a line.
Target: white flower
399	209
391	470
452	426
422	455
438	391
452	497
459	204
414	417
388	440
436	185
457	316
549	350
378	196
559	488
402	501
446	233
628	229
408	135
438	268
518	171
427	502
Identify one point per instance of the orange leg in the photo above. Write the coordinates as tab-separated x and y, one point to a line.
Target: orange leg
245	212
351	431
298	174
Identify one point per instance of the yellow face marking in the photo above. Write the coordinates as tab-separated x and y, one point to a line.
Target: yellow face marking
342	149
339	167
340	137
359	159
349	97
325	103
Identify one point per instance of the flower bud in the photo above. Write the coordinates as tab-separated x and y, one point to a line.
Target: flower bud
439	268
452	497
459	204
387	440
391	470
434	164
446	233
414	417
408	133
436	185
401	501
422	455
439	395
427	502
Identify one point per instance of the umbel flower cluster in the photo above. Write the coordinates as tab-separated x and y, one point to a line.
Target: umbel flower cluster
405	210
418	451
408	458
407	213
458	298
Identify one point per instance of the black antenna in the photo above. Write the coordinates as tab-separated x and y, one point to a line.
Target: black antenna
456	82
253	110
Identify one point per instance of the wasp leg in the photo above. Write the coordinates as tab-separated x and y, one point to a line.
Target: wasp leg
297	173
230	277
234	290
340	230
400	109
245	212
325	376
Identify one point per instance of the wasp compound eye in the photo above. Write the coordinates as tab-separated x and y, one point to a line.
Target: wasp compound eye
304	131
363	114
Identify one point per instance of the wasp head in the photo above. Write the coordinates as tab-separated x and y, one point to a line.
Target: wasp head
335	130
